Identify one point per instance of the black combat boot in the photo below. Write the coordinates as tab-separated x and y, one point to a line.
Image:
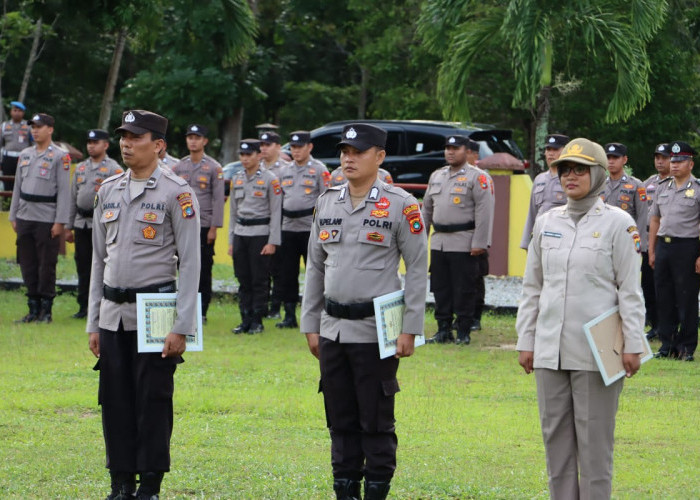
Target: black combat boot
33	314
376	490
256	324
149	486
274	311
290	316
346	489
444	333
45	311
246	319
476	326
464	327
123	485
82	312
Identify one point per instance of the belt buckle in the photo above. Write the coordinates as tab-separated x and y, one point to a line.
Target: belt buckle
667	239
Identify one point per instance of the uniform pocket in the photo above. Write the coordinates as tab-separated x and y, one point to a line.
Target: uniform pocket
150	227
385	406
373	251
110	218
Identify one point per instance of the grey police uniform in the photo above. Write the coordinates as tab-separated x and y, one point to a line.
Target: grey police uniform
338	177
14	137
629	194
547	193
276	168
168	161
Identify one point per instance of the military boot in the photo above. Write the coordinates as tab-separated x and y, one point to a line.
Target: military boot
464	327
34	310
123	485
274	311
444	333
376	490
45	311
256	324
346	489
82	312
149	486
246	319
290	316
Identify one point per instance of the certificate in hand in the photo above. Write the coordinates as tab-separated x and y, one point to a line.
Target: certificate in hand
388	310
604	335
155	317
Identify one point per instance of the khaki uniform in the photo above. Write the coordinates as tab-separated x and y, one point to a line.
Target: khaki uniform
168	161
252	199
87	180
651	186
15	137
546	193
302	185
276	168
629	194
338	177
139	242
207	181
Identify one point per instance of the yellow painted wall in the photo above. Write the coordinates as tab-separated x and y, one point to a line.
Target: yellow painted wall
520	188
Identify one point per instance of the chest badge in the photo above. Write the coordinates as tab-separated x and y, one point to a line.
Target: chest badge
596	234
456	200
109	214
149	232
150	216
383	203
375	236
324	235
689	193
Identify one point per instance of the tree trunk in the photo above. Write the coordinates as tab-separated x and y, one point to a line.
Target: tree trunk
364	85
111	85
33	56
231	129
541	126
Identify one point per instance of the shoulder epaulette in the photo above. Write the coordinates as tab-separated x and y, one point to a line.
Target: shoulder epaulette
391	188
174	177
113	177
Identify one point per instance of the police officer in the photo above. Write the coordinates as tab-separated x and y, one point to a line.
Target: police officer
87	179
15	136
254	234
206	177
338	177
145	221
546	188
482	259
165	159
622	190
303	182
662	163
674	254
459	203
39	210
271	159
359	233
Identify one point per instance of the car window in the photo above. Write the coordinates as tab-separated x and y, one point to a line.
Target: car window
393	143
325	145
422	142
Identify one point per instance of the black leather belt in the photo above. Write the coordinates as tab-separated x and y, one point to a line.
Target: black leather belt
252	222
453	228
121	295
357	310
84	213
295	214
674	239
37	198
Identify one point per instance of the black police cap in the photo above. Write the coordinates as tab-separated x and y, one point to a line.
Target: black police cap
474	146
139	121
249	146
41	119
615	149
97	134
196	129
556	141
299	138
663	149
362	136
457	140
681	151
270	137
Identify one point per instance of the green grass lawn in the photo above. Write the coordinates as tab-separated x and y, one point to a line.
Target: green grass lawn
249	422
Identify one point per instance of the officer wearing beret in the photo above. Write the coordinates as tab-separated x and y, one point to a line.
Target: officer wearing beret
360	231
39	211
15	135
622	190
87	179
206	177
303	182
459	203
146	222
254	234
338	177
674	253
546	188
662	163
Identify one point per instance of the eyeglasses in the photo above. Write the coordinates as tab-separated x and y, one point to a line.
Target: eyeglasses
577	169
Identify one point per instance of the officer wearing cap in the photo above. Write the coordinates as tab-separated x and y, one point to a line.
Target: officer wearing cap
145	225
674	254
360	231
87	179
482	259
459	203
254	234
271	159
303	182
546	188
39	210
338	177
622	190
662	163
14	137
206	177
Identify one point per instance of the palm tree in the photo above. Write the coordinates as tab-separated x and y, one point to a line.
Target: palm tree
532	31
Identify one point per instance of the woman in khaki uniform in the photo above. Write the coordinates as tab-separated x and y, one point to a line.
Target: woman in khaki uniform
584	258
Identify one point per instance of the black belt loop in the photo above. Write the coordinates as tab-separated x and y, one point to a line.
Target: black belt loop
295	214
453	228
252	222
37	198
85	213
359	310
121	295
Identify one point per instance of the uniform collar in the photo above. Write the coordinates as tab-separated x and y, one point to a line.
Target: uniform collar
151	183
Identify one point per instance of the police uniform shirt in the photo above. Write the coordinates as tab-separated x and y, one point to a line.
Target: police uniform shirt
15	136
207	181
546	194
139	242
338	177
574	273
457	197
651	185
679	208
276	167
45	173
87	179
354	256
629	194
256	197
302	185
168	162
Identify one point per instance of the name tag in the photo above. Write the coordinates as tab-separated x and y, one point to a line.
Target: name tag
551	234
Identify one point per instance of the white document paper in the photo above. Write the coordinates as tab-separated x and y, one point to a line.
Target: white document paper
388	311
155	316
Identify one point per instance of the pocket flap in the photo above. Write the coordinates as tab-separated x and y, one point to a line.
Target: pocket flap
150	216
110	215
390	387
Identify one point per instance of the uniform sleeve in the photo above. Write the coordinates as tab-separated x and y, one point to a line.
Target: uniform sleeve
413	245
99	253
63	198
529	306
483	210
428	206
14	203
530	222
641	208
217	197
274	194
324	178
73	199
186	232
312	301
233	210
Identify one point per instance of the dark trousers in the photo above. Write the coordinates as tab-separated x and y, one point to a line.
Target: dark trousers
358	392
38	254
9	167
294	247
276	278
677	287
483	265
453	281
207	251
83	263
136	395
649	291
252	271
